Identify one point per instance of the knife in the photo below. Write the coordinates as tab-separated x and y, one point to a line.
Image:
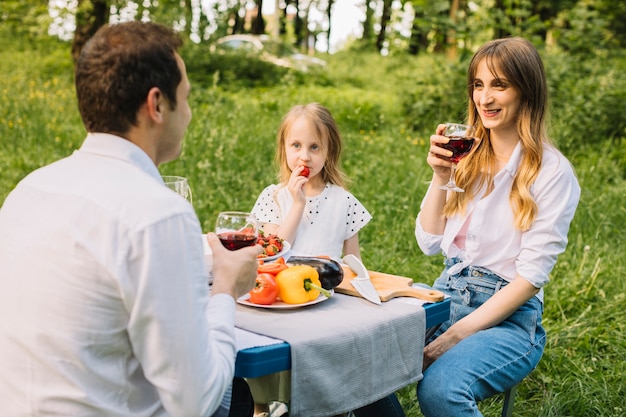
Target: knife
362	282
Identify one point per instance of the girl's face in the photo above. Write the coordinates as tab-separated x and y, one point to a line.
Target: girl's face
496	100
303	148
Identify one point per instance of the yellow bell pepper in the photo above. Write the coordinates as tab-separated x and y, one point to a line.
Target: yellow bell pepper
299	284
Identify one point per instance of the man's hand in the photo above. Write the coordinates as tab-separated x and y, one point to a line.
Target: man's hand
234	272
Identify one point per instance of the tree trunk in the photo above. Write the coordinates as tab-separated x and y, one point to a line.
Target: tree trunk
368	23
384	20
88	21
258	24
440	33
419	37
500	30
546	13
451	47
302	39
283	17
239	22
329	15
188	17
298	24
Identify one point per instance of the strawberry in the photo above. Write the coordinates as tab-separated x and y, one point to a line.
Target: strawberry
271	250
272	244
305	172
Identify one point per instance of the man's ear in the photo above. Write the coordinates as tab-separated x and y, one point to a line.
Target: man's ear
155	103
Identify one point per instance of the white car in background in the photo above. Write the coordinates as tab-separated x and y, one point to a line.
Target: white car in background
268	49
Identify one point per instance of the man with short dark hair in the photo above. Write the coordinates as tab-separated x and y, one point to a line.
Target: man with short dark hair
105	299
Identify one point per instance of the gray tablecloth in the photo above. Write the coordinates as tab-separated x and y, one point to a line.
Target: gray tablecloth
345	352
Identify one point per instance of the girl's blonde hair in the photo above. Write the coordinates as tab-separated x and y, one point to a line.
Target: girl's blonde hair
518	61
327	133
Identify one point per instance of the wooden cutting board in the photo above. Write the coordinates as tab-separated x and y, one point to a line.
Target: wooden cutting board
388	286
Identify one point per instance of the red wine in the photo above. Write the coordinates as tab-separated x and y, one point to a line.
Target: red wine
459	147
234	240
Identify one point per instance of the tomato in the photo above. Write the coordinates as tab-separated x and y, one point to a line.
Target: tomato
272	268
265	290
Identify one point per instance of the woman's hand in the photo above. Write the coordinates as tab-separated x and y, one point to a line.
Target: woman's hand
438	157
496	309
436	348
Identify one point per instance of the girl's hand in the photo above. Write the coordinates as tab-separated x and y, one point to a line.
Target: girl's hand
438	157
296	184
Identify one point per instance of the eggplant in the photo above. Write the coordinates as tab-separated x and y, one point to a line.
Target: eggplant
331	273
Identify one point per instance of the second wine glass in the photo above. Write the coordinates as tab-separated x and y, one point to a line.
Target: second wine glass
236	229
180	185
462	138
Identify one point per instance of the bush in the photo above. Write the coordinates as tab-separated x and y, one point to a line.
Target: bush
587	99
438	94
241	70
234	70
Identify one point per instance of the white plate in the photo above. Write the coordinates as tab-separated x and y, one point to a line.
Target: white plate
286	248
280	305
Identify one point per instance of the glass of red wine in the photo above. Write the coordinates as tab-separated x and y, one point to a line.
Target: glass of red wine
462	138
236	229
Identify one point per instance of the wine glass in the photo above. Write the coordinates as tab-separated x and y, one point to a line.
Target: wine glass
180	185
462	138
236	229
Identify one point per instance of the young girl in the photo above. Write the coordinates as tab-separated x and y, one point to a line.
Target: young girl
310	208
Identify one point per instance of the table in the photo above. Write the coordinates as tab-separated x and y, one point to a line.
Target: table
343	353
263	360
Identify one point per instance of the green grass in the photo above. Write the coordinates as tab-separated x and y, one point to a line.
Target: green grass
228	155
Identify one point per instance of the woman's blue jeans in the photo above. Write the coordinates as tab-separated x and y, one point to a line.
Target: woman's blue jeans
487	362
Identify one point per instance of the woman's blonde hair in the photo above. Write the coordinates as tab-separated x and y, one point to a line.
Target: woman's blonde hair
327	133
518	61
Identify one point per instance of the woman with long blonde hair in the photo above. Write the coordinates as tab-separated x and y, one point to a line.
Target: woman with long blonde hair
500	238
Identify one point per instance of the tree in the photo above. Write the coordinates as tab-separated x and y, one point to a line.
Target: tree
438	25
419	28
90	16
23	21
502	27
368	31
238	21
329	17
384	22
258	23
452	31
300	23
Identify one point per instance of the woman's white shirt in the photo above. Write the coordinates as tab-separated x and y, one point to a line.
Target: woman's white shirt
493	242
